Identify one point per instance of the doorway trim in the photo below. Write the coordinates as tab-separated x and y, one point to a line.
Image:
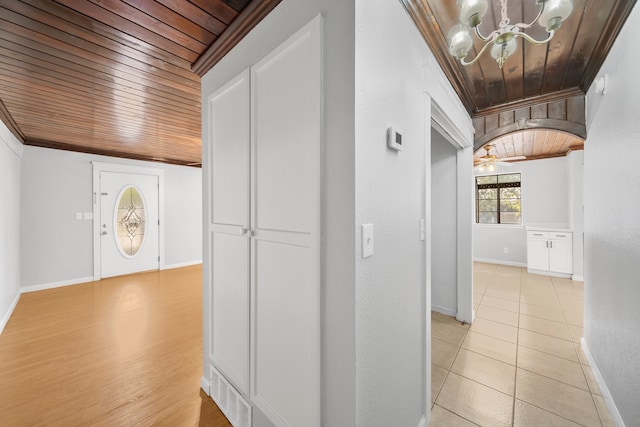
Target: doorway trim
99	167
464	209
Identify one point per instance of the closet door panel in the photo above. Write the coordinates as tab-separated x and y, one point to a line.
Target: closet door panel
230	128
285	377
286	99
230	307
286	119
229	133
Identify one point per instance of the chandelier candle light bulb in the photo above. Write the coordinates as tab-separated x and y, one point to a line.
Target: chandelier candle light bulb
503	40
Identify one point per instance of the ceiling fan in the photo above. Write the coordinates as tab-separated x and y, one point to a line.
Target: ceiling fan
489	161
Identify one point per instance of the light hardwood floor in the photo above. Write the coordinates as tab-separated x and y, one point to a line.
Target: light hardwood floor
119	352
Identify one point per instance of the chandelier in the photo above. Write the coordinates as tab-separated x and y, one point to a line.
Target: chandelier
503	40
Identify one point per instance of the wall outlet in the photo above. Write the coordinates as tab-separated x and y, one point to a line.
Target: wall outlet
78	215
88	215
506	250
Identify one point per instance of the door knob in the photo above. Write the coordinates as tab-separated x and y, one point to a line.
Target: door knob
246	232
104	233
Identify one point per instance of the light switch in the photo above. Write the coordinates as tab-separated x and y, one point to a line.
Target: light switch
78	215
88	215
367	240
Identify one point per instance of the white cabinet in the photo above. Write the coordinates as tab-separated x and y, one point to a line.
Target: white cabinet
538	250
264	134
561	253
550	252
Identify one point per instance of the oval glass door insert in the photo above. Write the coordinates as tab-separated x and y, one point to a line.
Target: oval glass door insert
130	221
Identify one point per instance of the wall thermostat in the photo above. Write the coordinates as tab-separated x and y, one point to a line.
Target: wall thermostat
394	139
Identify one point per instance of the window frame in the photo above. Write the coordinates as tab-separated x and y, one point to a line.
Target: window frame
498	186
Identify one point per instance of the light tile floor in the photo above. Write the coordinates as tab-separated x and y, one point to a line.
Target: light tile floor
520	363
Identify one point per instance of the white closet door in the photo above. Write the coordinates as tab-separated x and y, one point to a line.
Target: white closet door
229	224
286	139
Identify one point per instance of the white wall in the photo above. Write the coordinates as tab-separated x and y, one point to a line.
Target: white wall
611	227
545	200
182	214
389	194
391	303
575	163
338	251
10	219
444	271
57	248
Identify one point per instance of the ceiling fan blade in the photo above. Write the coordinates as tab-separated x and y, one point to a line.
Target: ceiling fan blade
508	159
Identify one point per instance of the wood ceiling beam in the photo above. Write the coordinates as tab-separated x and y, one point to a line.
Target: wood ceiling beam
564	114
551	124
240	27
530	102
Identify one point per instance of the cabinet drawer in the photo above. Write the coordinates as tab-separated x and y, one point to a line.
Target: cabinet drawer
560	236
537	235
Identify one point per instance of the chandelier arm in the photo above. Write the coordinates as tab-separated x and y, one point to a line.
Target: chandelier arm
484	38
531	40
523	26
465	63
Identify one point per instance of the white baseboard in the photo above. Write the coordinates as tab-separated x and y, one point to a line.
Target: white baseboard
606	395
181	264
204	385
43	286
7	315
549	273
444	310
577	278
501	262
423	420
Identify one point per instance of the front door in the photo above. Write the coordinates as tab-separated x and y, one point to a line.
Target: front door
129	225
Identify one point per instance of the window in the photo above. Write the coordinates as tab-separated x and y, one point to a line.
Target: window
498	199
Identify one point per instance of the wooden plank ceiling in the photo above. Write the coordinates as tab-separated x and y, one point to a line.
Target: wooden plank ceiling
115	77
533	75
532	145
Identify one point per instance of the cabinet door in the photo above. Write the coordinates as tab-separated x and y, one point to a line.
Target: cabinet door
561	256
230	143
537	254
286	137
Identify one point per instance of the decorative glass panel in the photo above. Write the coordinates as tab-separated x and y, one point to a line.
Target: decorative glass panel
130	221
